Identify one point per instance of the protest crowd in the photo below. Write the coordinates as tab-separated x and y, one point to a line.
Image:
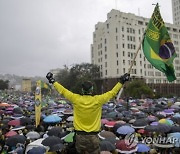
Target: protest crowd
146	119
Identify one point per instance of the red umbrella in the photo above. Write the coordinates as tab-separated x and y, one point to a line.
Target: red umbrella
15	122
110	124
4	105
10	133
142	131
123	147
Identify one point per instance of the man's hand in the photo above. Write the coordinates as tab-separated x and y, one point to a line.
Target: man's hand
50	78
124	78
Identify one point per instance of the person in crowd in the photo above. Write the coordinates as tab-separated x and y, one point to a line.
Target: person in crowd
87	112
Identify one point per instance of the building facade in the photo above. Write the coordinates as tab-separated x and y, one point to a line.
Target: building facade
116	41
26	85
176	11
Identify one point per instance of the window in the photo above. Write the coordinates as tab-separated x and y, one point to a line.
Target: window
116	54
123	53
116	30
107	26
117	62
105	56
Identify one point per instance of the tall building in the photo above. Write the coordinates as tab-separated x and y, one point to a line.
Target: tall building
116	41
176	11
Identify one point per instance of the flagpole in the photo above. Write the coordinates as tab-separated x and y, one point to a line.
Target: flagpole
130	68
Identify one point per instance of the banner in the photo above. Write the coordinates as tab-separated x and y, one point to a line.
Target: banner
38	101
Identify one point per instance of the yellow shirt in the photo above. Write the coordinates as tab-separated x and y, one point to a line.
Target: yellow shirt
87	109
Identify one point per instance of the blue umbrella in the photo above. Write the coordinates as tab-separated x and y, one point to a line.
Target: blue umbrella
125	130
142	148
176	138
52	119
39	150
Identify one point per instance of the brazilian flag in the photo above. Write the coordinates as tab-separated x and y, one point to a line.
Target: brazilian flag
158	47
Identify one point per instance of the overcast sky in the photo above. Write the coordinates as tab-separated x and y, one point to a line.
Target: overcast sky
39	35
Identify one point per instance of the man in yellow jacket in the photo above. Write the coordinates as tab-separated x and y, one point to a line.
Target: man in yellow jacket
87	111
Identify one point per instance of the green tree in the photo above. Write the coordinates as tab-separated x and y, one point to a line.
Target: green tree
4	84
73	77
137	89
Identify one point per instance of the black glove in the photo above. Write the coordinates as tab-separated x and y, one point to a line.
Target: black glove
124	78
50	78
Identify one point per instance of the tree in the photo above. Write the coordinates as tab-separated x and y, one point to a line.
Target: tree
73	78
137	89
4	84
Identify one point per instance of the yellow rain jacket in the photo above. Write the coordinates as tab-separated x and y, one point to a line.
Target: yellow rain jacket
87	109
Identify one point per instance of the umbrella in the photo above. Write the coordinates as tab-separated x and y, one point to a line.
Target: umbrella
38	150
69	137
10	133
18	110
142	148
70	118
142	131
155	123
55	131
177	103
33	135
12	141
25	121
166	121
150	128
176	138
4	105
51	140
110	124
163	128
107	146
106	134
122	147
15	122
56	147
52	119
140	123
104	121
18	128
125	130
175	129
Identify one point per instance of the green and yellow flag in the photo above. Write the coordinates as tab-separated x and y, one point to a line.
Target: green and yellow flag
38	100
158	47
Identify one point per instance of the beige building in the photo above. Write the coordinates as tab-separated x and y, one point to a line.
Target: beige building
176	11
116	41
26	85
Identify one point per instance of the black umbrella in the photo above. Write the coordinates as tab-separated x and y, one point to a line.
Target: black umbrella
25	121
163	128
140	123
12	141
56	147
151	128
18	110
175	129
38	150
30	127
55	131
51	140
107	146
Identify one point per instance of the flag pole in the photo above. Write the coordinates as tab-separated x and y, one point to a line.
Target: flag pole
130	68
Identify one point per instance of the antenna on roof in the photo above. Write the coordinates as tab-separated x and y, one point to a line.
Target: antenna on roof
116	4
138	11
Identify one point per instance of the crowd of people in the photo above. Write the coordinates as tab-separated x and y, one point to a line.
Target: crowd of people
127	126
